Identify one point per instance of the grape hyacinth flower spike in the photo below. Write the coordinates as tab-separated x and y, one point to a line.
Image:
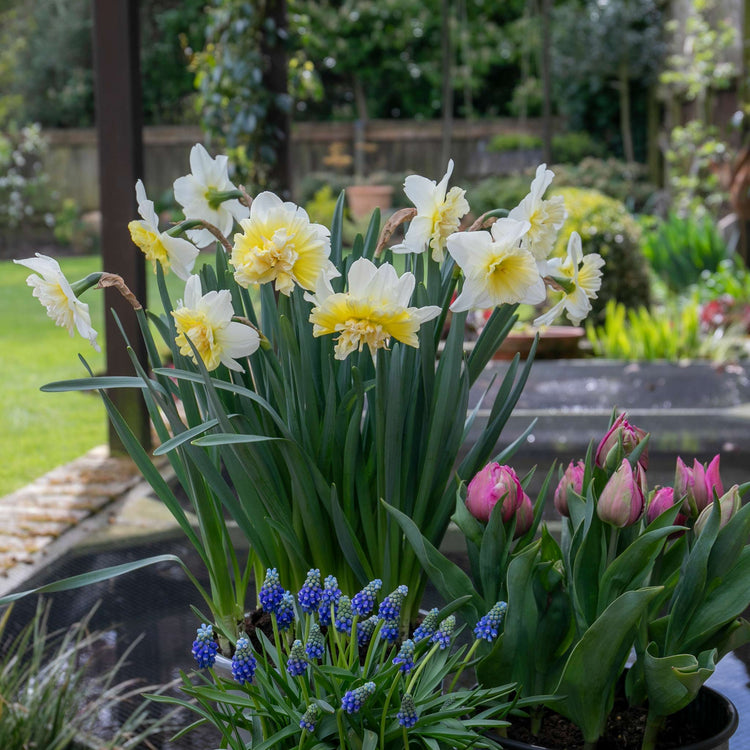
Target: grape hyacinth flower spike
443	635
353	700
271	592
428	626
316	645
285	613
311	593
405	657
488	626
243	662
364	601
310	718
205	647
407	715
297	663
329	598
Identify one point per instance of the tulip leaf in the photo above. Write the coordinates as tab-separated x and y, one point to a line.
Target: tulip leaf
492	554
596	661
631	567
673	681
725	602
729	544
469	526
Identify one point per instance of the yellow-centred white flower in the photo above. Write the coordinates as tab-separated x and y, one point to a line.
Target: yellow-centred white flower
497	268
439	214
545	217
171	252
197	191
579	277
55	293
374	309
279	243
206	319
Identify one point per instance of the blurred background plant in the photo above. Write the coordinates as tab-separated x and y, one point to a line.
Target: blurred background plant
55	696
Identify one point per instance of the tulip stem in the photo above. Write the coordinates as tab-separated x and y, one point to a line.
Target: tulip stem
654	724
614	535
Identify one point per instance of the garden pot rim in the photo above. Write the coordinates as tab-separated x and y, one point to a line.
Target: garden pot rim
716	741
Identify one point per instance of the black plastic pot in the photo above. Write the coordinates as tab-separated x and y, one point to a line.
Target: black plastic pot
712	711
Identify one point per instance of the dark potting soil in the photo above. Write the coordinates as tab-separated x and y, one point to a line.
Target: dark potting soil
624	731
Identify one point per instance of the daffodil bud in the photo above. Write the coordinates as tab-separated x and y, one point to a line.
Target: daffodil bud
621	501
572	479
619	442
729	504
493	484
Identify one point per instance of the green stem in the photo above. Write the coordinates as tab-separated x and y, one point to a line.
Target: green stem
384	715
80	286
654	723
464	663
340	724
305	692
418	671
406	738
263	727
353	652
183	226
614	534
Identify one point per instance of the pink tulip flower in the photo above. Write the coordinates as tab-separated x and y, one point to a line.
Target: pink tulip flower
608	454
621	501
493	484
572	479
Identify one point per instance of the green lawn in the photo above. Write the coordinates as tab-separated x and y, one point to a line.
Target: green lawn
39	431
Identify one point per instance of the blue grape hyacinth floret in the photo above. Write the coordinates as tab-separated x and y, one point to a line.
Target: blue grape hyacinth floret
443	634
365	630
390	607
407	715
344	617
353	700
363	602
271	592
428	627
316	645
297	663
243	662
405	656
389	631
488	626
310	594
285	614
310	718
329	598
205	647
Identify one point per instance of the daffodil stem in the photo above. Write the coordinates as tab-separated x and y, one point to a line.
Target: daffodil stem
80	286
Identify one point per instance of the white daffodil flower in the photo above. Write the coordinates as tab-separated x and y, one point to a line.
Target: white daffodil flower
53	290
196	193
438	214
580	278
174	252
545	217
206	319
497	269
279	243
374	310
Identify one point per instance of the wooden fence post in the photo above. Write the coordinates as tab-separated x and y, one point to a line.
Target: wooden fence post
120	150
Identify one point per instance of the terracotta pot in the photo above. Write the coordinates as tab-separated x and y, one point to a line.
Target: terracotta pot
364	199
713	713
555	342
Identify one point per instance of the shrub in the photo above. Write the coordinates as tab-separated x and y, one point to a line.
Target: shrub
606	227
514	142
624	181
571	148
498	192
680	249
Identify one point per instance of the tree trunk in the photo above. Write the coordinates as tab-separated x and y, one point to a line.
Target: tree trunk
626	130
275	80
546	8
447	75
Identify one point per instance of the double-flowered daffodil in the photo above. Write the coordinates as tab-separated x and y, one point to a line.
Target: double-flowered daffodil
174	252
374	310
279	243
206	320
439	214
545	217
200	195
54	291
579	277
497	268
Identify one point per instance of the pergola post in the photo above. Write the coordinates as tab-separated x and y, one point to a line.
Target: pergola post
120	147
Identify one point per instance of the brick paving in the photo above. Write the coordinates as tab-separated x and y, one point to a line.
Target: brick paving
39	514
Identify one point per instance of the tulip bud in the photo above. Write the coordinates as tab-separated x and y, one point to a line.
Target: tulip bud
729	504
713	480
621	501
660	500
699	494
492	484
571	479
619	442
524	516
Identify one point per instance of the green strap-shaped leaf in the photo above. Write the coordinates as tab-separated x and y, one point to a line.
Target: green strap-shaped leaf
597	660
